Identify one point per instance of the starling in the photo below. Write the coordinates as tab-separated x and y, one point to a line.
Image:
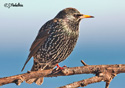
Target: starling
55	41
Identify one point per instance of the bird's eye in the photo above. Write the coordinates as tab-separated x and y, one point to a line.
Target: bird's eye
77	15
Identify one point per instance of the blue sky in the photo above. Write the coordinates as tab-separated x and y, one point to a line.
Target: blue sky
101	40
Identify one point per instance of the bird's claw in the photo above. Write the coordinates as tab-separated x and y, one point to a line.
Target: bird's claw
61	68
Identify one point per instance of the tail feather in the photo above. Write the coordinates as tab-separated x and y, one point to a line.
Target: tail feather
30	81
38	81
36	67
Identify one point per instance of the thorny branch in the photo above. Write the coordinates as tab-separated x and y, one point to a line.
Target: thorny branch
102	73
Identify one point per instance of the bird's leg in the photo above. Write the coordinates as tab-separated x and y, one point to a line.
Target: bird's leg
61	68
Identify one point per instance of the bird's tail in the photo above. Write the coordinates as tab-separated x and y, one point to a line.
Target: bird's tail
38	81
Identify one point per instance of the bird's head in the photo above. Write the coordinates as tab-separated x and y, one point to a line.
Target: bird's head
72	14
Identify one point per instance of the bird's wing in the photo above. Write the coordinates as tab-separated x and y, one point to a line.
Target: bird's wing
40	39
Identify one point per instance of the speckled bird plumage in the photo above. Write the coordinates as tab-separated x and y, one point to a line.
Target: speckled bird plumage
55	41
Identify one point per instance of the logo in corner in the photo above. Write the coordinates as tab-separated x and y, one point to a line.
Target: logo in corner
8	5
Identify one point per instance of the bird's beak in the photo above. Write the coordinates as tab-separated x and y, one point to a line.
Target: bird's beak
86	16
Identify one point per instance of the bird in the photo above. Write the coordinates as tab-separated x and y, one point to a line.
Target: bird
55	41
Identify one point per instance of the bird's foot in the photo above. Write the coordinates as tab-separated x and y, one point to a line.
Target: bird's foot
61	68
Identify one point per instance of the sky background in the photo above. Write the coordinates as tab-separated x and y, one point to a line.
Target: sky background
101	40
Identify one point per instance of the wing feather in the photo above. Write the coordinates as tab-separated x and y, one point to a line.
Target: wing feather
40	39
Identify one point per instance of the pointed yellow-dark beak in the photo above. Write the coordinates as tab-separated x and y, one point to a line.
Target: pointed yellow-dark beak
86	16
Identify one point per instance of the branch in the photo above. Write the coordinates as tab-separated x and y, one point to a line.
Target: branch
103	73
83	83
